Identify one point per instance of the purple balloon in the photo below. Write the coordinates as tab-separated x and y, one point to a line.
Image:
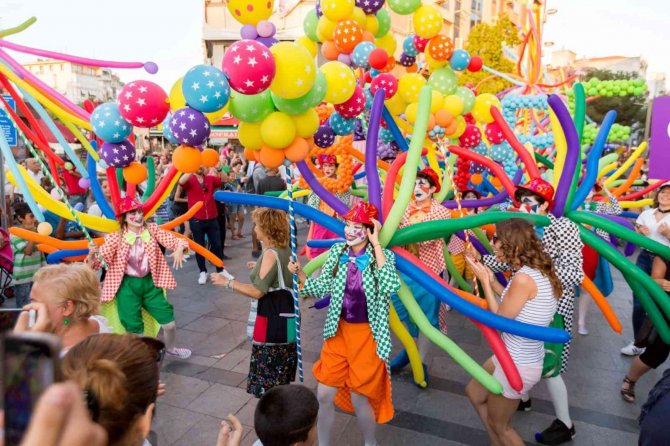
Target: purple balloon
484	202
324	137
344	58
117	154
371	172
370	6
406	60
266	28
84	183
267	41
328	198
248	32
572	141
189	127
319	12
150	67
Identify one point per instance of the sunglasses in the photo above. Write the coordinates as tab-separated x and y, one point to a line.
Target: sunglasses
156	346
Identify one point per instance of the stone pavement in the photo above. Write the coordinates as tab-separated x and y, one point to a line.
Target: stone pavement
211	384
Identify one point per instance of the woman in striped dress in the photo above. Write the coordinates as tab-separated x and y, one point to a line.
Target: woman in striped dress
530	297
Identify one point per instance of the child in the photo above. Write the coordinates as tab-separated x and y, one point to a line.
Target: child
286	416
27	259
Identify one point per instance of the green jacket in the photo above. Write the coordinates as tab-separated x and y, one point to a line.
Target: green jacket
377	294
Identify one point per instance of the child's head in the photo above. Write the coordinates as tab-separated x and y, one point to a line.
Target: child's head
25	216
286	416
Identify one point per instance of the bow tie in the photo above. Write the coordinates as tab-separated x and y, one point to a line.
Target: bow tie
361	261
131	237
425	208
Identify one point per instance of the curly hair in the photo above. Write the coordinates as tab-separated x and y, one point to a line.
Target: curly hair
274	224
520	246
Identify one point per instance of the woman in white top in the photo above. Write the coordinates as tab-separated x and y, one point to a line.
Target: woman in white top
655	224
530	297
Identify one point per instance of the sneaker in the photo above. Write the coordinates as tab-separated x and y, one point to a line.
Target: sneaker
582	330
202	278
180	353
524	406
632	350
557	433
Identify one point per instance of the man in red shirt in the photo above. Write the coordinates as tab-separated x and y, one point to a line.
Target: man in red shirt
201	187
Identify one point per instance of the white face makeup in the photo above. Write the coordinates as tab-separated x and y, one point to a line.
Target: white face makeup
469	196
355	233
135	219
329	170
421	189
529	205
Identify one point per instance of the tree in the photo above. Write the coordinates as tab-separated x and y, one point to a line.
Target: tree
486	41
631	110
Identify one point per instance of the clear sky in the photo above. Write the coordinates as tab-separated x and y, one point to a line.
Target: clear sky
169	32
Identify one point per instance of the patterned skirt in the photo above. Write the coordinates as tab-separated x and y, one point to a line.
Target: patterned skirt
271	365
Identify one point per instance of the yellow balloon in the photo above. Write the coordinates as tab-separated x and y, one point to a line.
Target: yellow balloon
371	24
249	135
337	10
278	130
340	81
481	111
436	102
309	44
359	16
325	28
250	12
453	104
409	86
432	63
295	70
306	123
396	105
214	116
177	99
427	21
388	43
411	112
44	228
460	127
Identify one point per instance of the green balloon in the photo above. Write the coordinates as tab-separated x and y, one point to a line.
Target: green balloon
300	105
318	91
404	7
384	20
251	108
309	25
443	80
468	98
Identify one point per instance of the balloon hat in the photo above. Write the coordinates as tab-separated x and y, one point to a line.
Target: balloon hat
128	204
362	213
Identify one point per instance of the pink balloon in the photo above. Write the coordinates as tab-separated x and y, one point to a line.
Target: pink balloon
385	81
353	106
471	136
143	103
249	66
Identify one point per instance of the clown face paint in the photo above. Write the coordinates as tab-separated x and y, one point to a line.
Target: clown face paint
135	220
422	190
329	170
355	233
529	205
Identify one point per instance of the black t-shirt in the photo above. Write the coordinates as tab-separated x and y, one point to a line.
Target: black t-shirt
270	184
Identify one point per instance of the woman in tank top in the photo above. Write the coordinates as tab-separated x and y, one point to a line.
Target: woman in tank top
530	297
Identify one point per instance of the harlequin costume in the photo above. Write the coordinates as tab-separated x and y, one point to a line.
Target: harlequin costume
316	231
137	273
355	354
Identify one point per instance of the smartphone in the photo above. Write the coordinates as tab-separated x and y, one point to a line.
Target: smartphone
30	363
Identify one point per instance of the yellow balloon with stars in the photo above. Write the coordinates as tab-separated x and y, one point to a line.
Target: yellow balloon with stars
337	10
409	86
250	12
427	21
295	70
340	82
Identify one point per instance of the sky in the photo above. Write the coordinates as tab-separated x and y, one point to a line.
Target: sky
169	32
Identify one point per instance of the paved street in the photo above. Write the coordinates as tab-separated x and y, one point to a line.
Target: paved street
211	384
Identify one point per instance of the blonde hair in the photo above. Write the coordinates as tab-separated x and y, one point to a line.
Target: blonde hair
120	374
75	282
274	224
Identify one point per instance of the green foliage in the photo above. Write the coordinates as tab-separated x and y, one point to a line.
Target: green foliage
486	41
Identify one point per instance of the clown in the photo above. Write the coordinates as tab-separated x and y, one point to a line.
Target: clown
423	208
359	276
329	165
137	273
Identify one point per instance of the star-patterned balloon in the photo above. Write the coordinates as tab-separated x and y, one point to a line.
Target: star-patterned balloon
143	103
471	136
347	34
167	132
370	6
108	124
387	82
189	127
205	88
249	66
353	106
117	154
340	125
406	60
440	47
324	137
361	54
493	133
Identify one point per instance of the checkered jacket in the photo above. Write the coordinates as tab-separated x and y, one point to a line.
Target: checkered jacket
377	294
431	252
612	207
115	252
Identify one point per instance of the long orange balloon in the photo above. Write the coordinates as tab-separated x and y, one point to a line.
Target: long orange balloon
603	304
634	175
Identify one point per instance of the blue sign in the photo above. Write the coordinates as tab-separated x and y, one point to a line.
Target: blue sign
6	125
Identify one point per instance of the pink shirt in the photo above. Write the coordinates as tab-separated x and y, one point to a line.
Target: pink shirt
138	260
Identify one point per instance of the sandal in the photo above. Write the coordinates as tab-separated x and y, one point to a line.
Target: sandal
628	390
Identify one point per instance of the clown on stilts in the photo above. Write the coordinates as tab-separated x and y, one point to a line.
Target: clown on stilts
352	371
138	275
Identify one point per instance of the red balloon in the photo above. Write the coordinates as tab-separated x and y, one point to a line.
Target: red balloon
476	64
249	66
378	58
471	136
143	103
420	43
353	106
494	133
469	119
387	82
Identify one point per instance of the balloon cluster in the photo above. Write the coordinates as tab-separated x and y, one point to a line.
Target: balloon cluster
263	32
610	88
618	133
512	103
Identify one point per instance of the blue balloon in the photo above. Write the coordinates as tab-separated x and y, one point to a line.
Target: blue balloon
408	47
341	126
460	59
167	132
99	196
205	88
108	124
324	243
361	53
58	256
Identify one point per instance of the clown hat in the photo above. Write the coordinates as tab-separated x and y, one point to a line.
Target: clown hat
434	178
327	159
540	187
128	204
362	213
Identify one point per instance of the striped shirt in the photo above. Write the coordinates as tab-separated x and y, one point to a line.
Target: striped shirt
536	311
25	266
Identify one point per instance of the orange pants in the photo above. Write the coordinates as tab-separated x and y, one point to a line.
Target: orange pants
349	362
